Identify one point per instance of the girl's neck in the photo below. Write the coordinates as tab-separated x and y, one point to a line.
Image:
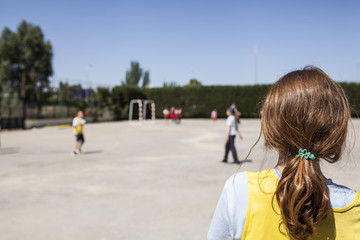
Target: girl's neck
283	159
280	168
281	165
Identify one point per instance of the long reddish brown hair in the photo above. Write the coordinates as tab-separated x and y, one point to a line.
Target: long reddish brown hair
304	109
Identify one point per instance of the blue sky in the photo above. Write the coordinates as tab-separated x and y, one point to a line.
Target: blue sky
213	41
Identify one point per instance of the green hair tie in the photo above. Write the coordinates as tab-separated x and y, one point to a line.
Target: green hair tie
303	153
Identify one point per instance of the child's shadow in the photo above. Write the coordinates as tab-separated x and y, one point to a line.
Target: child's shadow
247	161
92	152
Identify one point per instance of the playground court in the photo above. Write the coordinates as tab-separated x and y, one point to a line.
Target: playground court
155	181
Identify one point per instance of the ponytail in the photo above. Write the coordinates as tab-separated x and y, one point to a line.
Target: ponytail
304	109
303	197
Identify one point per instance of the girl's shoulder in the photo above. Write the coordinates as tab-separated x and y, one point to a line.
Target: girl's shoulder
340	196
236	178
236	183
248	176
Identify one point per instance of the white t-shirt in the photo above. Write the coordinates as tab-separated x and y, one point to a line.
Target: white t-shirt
75	122
230	121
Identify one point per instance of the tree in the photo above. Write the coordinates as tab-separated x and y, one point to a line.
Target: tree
121	97
194	83
26	62
35	60
102	100
146	79
9	83
169	84
133	76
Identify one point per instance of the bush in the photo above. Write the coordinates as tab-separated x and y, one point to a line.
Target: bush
121	97
352	91
198	102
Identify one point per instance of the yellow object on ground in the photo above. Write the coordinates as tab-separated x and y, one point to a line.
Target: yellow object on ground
63	126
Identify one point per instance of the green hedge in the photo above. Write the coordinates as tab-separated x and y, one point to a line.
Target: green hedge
352	91
198	102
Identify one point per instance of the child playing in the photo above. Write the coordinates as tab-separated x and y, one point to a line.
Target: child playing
232	122
305	119
78	124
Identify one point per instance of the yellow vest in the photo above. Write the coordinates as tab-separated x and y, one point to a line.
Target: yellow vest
78	129
263	218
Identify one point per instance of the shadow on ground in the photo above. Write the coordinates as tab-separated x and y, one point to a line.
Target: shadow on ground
92	152
247	161
9	150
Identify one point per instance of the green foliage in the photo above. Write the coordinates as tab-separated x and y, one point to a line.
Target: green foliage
62	93
133	76
194	83
121	97
352	91
81	104
102	101
102	97
169	84
146	79
196	102
25	52
200	101
35	55
9	82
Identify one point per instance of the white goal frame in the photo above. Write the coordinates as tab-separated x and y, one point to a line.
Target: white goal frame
146	102
141	110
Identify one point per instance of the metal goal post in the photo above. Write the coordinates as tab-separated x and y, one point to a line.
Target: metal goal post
141	109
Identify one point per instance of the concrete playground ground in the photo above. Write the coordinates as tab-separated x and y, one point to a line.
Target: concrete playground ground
155	181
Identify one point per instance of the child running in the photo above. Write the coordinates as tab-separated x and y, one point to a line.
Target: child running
78	124
232	122
305	119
